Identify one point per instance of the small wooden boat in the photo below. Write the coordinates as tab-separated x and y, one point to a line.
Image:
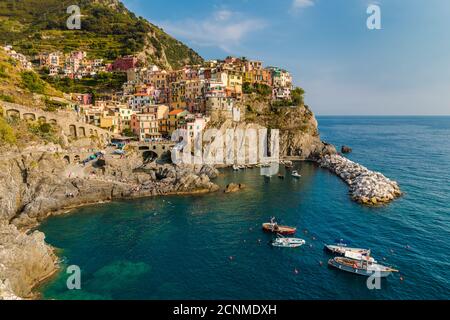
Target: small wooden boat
341	250
288	164
273	227
295	174
362	268
283	242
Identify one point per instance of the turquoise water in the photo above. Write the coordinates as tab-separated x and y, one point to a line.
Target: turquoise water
211	246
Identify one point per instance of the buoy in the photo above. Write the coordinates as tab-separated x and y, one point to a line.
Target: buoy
310	245
231	258
314	238
401	278
321	263
296	271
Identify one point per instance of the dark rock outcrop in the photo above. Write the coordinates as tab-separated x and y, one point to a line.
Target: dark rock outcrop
346	149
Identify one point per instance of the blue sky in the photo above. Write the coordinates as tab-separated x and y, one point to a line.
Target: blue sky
345	68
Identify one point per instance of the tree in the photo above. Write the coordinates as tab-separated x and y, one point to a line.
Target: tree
297	96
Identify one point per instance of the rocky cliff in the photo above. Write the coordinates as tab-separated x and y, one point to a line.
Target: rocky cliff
36	183
298	127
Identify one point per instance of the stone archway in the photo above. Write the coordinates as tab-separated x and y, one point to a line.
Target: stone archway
81	132
42	119
73	130
52	121
67	159
13	113
29	116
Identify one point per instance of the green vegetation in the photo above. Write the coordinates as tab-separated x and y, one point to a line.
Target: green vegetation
258	88
7	135
103	82
108	30
6	98
52	105
297	99
19	86
128	133
45	131
32	82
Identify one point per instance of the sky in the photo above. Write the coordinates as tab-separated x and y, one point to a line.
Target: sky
345	68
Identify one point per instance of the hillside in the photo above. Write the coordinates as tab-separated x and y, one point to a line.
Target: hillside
21	86
108	30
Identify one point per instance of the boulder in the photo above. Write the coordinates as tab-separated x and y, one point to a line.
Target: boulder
233	187
346	149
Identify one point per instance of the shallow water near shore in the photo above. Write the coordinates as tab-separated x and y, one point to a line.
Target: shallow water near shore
212	247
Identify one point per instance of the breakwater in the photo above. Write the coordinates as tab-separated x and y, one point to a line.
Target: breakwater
366	187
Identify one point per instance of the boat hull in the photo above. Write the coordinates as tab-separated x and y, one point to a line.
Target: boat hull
288	243
361	272
284	230
340	250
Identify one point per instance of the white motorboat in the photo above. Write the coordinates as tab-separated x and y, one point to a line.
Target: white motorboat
295	174
342	250
283	242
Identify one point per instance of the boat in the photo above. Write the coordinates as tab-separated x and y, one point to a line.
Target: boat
288	164
236	168
283	242
295	174
273	227
362	268
342	249
360	256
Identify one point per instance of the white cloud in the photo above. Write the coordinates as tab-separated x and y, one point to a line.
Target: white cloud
224	29
299	4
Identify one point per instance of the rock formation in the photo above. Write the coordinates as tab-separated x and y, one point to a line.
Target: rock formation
234	187
366	187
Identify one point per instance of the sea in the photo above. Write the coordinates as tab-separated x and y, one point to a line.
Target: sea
212	246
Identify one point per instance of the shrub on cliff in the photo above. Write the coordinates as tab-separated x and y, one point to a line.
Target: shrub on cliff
6	132
32	82
44	131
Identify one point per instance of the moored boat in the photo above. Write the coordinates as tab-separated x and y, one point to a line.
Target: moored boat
283	242
295	174
275	228
362	268
341	250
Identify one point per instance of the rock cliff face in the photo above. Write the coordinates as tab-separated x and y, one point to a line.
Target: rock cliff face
36	184
299	133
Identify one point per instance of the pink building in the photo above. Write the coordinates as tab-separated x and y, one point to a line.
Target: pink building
124	64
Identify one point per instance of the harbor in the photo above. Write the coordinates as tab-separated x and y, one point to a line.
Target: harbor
168	246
